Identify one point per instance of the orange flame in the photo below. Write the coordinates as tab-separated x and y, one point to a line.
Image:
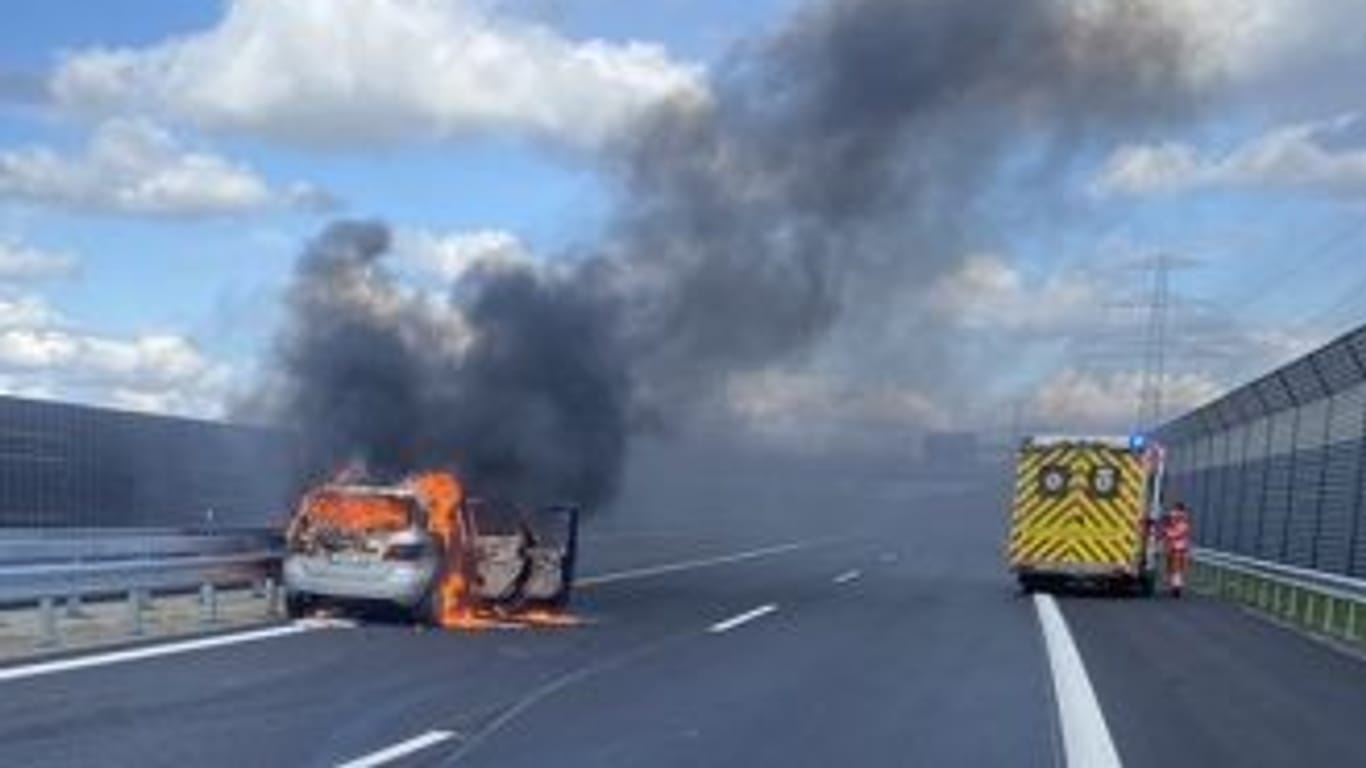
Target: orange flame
443	495
355	513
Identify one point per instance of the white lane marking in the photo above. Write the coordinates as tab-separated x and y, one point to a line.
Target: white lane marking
611	535
155	651
1085	737
399	750
688	565
744	618
847	577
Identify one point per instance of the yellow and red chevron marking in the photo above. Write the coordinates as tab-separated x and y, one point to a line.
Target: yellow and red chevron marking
1077	525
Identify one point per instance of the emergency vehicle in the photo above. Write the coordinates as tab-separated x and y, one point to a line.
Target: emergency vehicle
1083	508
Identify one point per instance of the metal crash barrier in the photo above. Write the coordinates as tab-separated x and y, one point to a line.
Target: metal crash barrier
55	570
1323	603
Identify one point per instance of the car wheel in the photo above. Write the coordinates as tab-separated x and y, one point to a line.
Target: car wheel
297	605
429	609
1147	585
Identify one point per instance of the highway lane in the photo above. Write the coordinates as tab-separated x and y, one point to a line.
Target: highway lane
316	698
1200	682
891	637
888	669
895	664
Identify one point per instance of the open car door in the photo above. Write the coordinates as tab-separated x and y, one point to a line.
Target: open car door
520	557
554	546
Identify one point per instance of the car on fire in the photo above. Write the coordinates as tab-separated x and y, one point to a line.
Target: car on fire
423	547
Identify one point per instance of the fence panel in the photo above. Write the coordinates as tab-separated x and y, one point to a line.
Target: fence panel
1306	490
1277	469
65	465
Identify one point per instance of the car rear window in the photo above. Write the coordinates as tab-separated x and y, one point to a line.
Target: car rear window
360	512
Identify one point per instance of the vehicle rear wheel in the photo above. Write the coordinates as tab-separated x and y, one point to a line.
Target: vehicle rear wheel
297	605
1147	584
430	608
1029	584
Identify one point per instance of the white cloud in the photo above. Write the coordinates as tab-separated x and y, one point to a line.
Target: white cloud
449	256
1107	401
20	262
987	293
812	409
134	166
1318	156
157	372
355	71
1059	342
27	312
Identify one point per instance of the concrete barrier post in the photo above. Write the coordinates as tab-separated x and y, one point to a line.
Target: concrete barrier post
272	592
135	606
47	623
208	605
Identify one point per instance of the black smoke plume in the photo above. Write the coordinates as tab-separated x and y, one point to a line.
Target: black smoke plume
837	163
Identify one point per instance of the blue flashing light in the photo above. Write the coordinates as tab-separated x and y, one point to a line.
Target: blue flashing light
1138	443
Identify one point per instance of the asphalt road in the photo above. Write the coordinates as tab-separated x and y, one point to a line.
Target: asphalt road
888	637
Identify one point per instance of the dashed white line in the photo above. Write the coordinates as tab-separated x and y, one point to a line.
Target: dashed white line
688	565
847	576
1085	737
400	750
155	651
744	618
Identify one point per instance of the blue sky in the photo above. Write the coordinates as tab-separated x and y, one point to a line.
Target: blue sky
173	294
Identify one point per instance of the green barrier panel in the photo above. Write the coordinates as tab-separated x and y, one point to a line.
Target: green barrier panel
1342	617
1309	609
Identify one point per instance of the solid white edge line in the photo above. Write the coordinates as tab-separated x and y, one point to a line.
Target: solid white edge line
688	565
847	576
152	651
1086	739
399	750
744	618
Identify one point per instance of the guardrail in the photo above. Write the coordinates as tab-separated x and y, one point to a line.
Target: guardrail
35	545
45	567
1319	602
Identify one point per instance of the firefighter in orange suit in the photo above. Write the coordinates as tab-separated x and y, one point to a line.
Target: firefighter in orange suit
1175	529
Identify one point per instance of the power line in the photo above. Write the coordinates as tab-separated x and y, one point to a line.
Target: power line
1262	289
1350	298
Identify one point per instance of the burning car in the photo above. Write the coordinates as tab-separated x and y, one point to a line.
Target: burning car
425	547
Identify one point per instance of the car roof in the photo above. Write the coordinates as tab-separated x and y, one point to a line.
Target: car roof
386	491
